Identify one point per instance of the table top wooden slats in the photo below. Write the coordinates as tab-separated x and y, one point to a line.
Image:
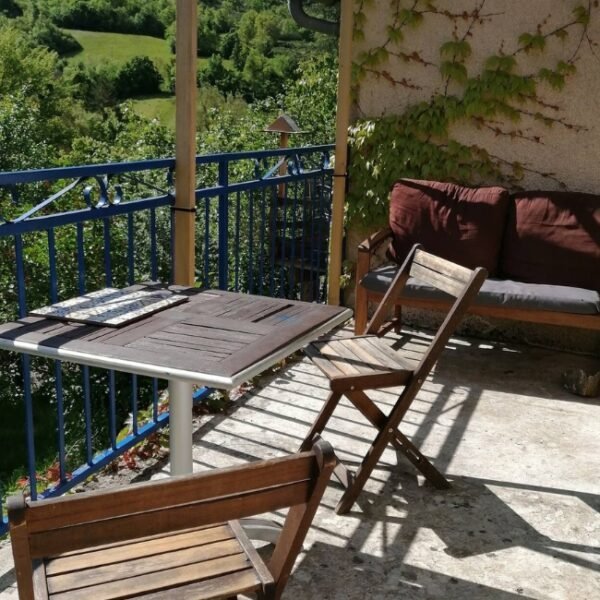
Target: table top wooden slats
216	338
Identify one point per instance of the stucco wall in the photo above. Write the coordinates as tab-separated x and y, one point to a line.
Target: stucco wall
569	152
573	155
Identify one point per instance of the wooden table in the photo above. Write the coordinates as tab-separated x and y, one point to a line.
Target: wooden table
217	339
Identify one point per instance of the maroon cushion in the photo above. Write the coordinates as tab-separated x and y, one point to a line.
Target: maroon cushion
464	225
553	238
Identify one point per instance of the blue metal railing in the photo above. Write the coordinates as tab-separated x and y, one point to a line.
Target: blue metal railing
262	226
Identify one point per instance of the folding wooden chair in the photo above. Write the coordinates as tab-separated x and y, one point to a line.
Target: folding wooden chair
361	363
168	539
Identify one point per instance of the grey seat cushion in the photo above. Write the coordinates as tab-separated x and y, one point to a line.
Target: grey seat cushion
499	292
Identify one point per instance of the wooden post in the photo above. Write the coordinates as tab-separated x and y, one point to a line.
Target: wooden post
341	153
185	154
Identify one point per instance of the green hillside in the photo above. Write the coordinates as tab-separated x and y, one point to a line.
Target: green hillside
160	107
119	48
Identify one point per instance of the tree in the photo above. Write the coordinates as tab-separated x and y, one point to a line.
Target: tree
215	73
138	77
311	98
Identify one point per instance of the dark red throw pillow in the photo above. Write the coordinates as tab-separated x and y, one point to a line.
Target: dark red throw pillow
464	225
553	238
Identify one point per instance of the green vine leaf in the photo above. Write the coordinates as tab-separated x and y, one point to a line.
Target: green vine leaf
410	18
581	15
395	34
554	78
561	34
531	42
456	50
566	68
455	71
500	62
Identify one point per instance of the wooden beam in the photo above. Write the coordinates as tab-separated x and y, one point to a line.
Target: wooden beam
341	152
185	154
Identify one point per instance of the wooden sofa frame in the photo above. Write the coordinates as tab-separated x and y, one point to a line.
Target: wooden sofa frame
368	248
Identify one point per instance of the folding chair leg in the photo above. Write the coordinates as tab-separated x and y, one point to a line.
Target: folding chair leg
398	318
364	472
421	463
368	408
321	420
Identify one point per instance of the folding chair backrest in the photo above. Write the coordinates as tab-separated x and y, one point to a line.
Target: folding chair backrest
55	526
453	279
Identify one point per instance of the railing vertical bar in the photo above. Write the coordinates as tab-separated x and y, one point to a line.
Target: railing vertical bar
58	383
26	370
283	246
224	226
52	279
85	371
263	226
155	400
154	277
130	250
237	240
293	239
320	232
112	410
172	245
251	242
22	301
60	420
153	248
312	246
29	425
80	259
87	415
274	210
134	404
303	241
107	261
206	241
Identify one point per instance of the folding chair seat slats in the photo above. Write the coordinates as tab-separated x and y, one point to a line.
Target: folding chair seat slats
355	363
165	548
361	363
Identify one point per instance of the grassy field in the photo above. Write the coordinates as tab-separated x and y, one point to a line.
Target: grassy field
118	48
159	107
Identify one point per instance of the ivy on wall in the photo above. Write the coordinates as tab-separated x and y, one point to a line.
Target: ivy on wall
418	143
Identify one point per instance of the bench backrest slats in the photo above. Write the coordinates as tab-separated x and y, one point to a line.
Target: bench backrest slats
171	518
95	506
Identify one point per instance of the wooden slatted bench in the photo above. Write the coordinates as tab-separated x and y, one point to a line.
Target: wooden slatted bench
372	283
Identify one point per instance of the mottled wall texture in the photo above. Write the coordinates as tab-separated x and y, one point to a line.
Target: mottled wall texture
551	141
569	149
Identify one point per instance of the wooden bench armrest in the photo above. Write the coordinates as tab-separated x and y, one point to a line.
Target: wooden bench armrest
373	242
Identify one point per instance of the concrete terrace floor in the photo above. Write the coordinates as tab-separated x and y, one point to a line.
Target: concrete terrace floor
521	520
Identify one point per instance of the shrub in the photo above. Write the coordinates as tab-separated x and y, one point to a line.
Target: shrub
138	77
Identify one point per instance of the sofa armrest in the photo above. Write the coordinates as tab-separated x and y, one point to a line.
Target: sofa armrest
373	242
366	250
